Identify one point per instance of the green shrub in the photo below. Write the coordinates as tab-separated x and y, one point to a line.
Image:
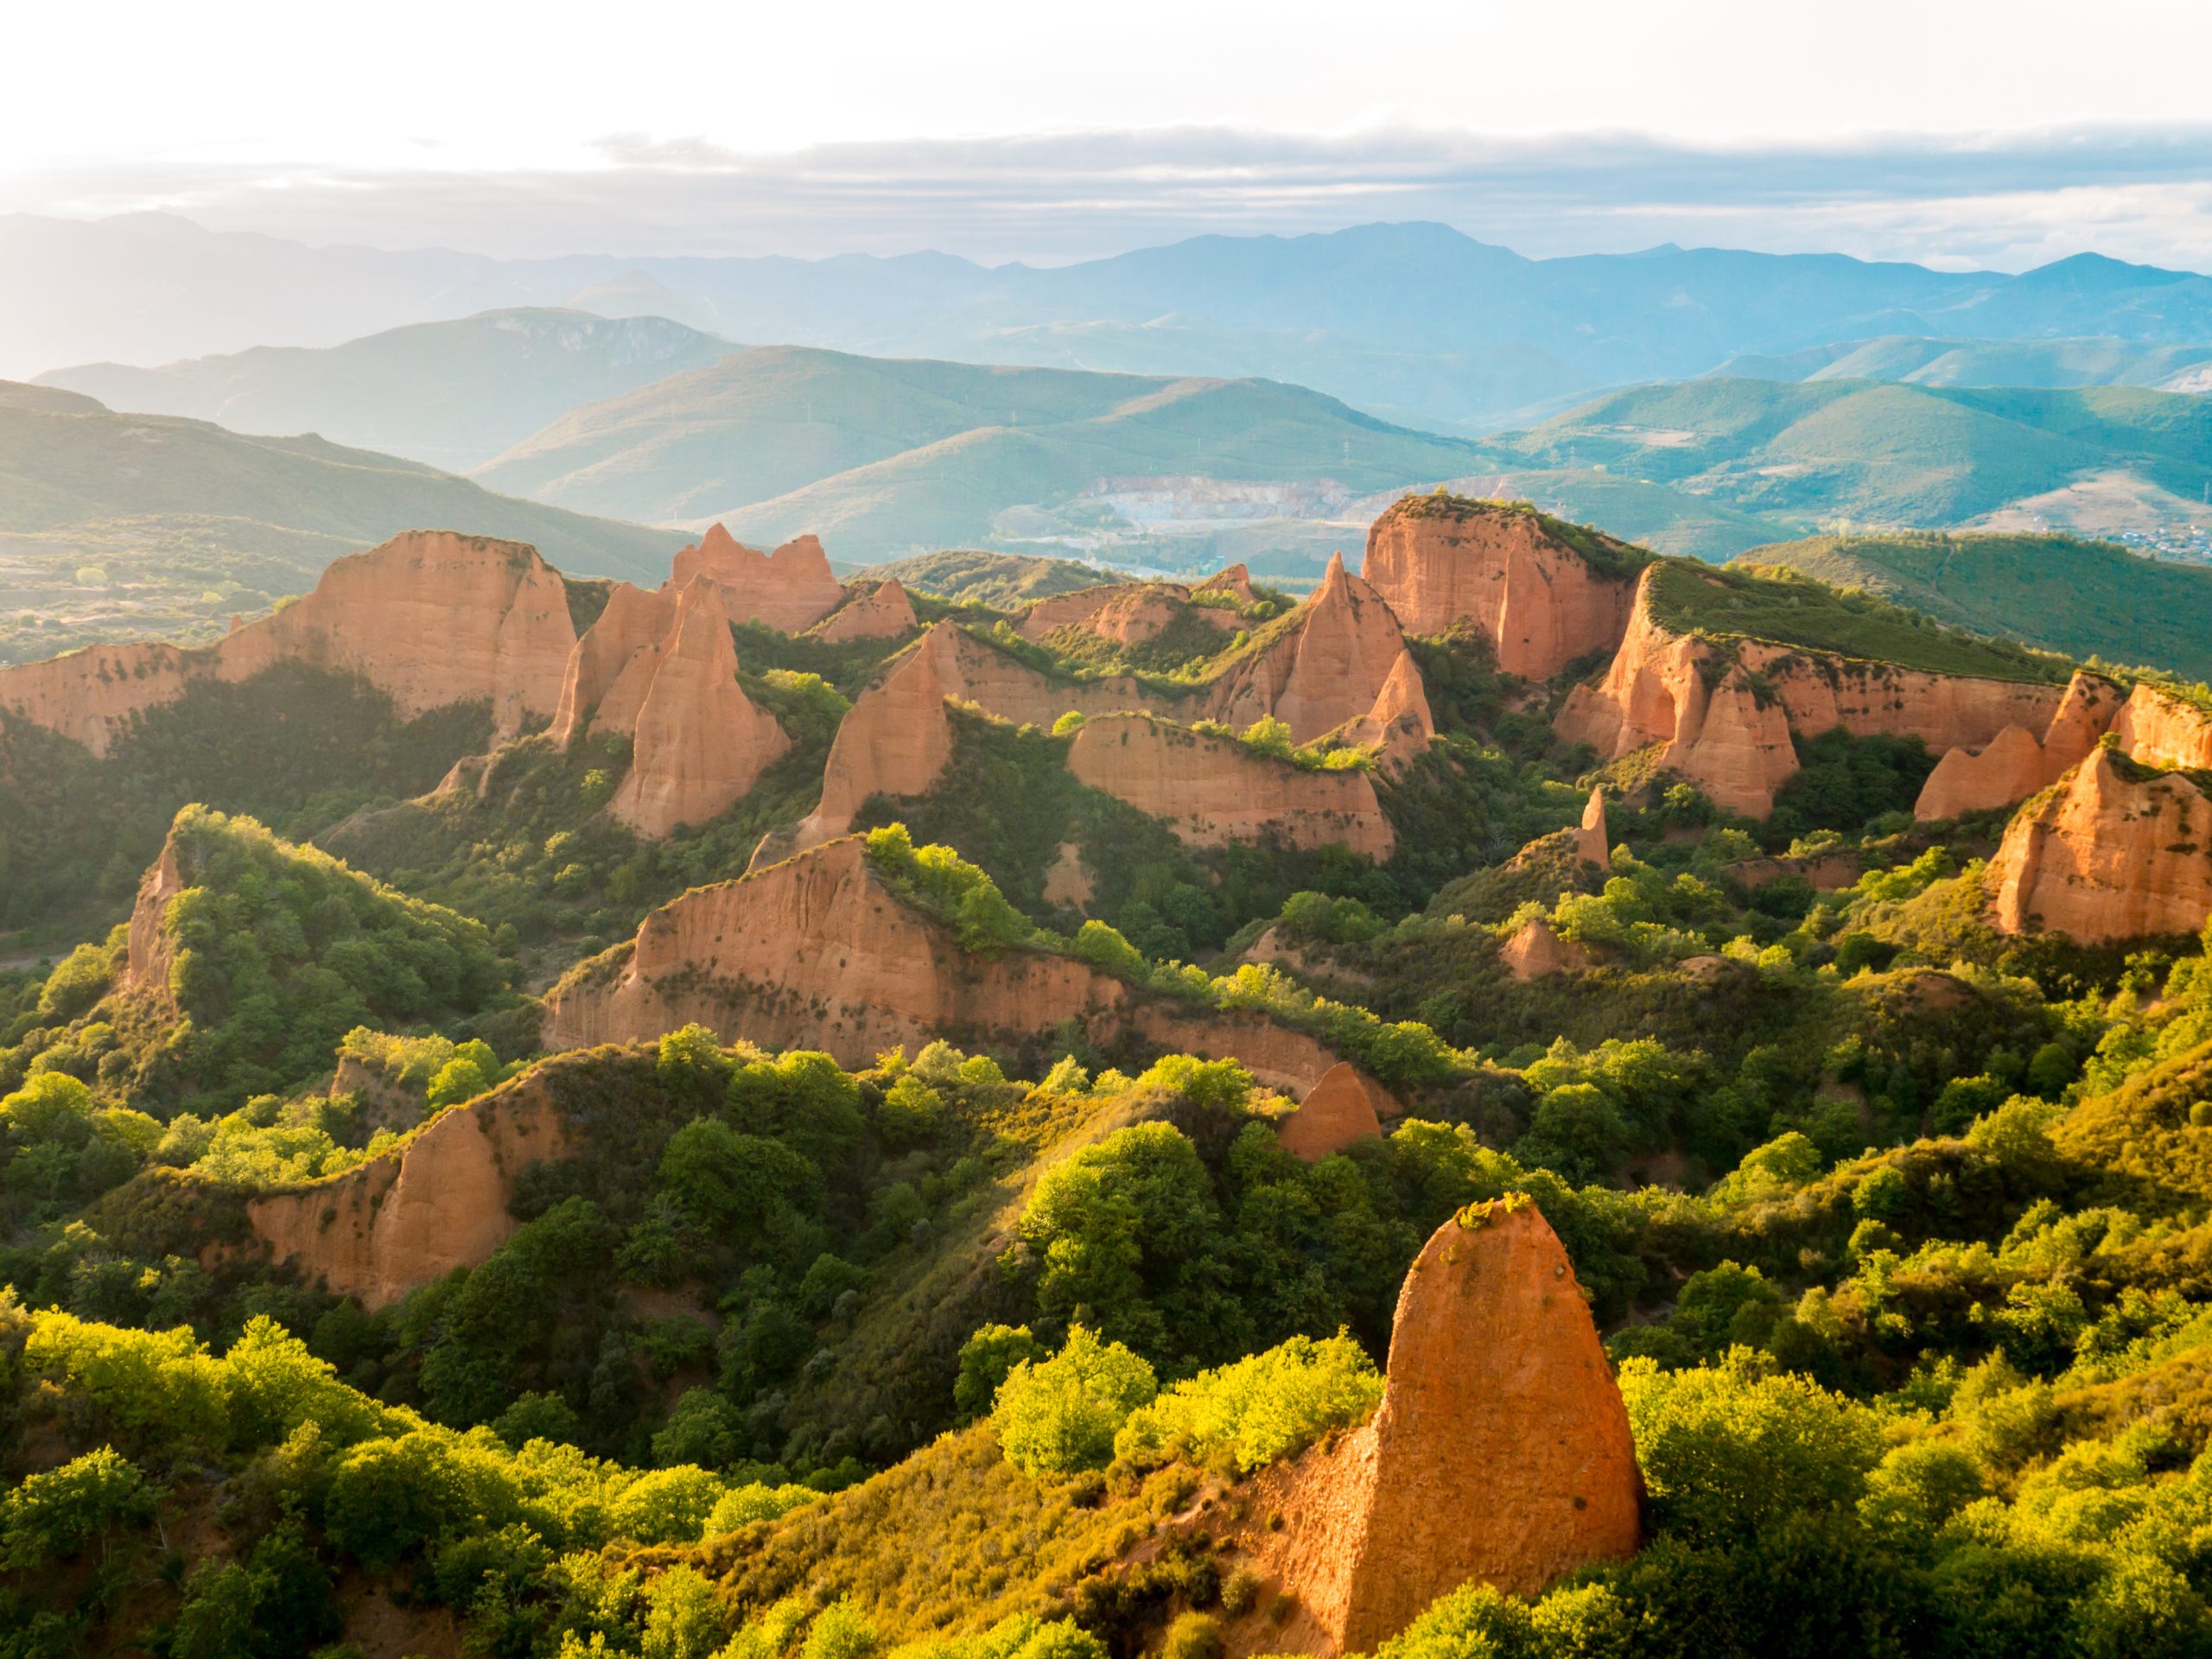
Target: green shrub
1057	1415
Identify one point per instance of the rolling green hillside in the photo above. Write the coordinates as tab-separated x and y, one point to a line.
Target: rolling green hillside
1811	453
453	394
135	526
1921	360
884	457
2084	598
1005	582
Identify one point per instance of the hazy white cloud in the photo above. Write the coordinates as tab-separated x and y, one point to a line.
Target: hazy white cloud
2006	202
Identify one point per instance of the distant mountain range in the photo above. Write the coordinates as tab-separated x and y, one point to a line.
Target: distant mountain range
880	457
1714	467
130	526
453	394
1413	322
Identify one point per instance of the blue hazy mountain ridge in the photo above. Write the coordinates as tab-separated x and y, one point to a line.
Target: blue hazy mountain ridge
882	455
451	394
1416	323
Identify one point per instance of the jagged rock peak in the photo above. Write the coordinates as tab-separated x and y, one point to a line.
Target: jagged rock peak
1344	1108
791	588
884	612
1540	600
2115	851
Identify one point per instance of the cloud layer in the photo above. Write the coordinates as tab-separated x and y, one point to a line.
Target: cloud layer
2005	202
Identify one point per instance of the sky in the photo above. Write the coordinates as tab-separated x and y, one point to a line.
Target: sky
1955	132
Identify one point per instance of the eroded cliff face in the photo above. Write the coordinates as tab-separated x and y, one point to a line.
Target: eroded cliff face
791	588
1501	1454
150	954
2018	762
1346	1107
1726	717
896	738
1328	668
883	611
430	618
1535	951
1539	602
815	952
1342	660
2112	853
699	743
1590	846
1233	580
634	622
2162	730
1128	613
1400	725
437	1202
1211	790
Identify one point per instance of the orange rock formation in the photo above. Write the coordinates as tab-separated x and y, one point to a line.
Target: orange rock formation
633	623
2161	729
1725	719
436	1202
698	743
2113	853
1333	665
430	618
1590	846
150	958
1211	790
1328	669
1501	1454
1345	1107
1127	613
1234	580
1539	602
1535	950
815	952
2016	762
883	611
1400	724
791	588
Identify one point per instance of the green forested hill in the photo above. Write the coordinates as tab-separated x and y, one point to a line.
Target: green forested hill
1801	455
1005	581
131	526
881	457
452	394
2061	592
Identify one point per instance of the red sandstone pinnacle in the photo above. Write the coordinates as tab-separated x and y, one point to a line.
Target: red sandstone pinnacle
2016	763
1400	725
1235	580
633	621
1539	602
1501	1454
1327	671
882	613
430	618
1534	950
1730	734
1590	846
699	743
2162	729
1502	1449
2108	854
791	588
1211	790
1345	1108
